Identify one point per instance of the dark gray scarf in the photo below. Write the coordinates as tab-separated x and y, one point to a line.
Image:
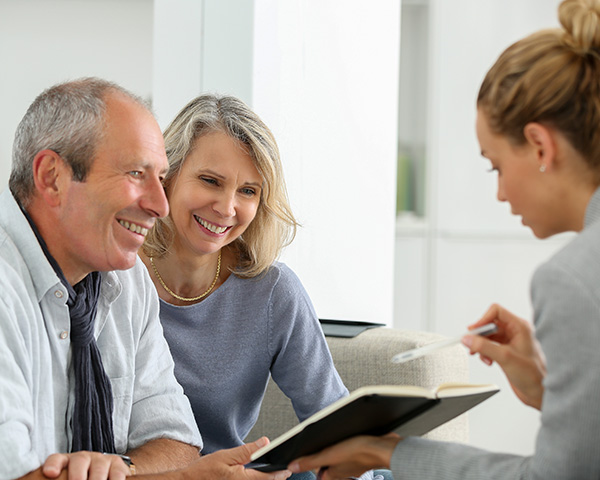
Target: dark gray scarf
92	413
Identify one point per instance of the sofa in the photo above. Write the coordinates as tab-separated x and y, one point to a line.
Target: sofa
365	360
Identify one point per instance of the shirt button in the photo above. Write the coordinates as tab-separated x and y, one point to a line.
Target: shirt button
64	335
58	294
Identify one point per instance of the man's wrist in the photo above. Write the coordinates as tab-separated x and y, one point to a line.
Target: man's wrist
127	461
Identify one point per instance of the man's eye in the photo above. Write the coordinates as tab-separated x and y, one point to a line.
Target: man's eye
135	173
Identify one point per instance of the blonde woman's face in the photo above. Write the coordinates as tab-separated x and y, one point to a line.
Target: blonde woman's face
216	195
520	182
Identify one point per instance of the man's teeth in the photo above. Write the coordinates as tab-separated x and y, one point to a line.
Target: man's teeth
134	228
210	226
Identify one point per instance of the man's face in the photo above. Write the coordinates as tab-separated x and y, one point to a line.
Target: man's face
106	217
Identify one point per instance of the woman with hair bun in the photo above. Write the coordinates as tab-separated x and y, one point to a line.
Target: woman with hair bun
538	123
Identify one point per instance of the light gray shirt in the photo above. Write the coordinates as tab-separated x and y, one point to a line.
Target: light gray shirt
36	388
566	300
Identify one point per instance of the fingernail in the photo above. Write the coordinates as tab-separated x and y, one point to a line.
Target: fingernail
294	467
467	340
262	441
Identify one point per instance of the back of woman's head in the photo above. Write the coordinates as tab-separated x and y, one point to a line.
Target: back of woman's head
274	225
551	77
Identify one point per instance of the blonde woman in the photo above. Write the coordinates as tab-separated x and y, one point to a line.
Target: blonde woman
538	123
231	313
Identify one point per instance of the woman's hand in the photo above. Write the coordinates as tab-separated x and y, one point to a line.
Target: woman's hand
350	458
229	464
517	351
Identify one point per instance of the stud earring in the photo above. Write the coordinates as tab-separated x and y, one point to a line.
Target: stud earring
542	168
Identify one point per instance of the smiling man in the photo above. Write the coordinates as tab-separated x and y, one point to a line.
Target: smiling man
85	368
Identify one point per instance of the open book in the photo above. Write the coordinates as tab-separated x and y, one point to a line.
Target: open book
373	410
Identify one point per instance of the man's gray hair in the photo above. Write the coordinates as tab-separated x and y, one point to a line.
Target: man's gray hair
68	119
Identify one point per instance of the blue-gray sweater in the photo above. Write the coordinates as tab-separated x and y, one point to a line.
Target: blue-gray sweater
225	347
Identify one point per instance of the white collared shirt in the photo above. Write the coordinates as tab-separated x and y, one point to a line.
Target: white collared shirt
36	386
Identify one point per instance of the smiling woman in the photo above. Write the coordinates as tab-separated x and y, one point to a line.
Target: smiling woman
215	196
232	314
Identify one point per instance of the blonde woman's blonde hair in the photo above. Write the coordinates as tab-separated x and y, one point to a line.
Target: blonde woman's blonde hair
551	77
274	226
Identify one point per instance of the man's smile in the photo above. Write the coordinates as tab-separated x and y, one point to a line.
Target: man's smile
134	227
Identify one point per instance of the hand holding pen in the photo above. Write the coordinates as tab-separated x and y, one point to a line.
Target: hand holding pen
514	347
501	337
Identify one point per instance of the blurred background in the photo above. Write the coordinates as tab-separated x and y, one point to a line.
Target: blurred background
373	106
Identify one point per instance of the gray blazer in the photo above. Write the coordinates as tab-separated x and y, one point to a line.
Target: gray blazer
565	293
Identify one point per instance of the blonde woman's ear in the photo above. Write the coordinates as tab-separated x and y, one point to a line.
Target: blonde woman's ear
541	138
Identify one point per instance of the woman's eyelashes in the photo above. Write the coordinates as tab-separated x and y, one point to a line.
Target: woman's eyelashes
209	180
247	191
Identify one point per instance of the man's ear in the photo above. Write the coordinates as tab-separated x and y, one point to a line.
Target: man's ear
541	139
49	171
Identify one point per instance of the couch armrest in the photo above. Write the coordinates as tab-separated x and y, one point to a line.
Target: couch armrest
366	360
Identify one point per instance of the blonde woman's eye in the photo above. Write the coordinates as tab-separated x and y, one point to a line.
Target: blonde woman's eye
208	180
248	191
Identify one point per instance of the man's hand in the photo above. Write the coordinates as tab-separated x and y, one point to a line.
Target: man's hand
517	351
350	458
86	465
222	465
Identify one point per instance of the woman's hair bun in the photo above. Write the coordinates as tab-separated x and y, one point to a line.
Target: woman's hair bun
581	21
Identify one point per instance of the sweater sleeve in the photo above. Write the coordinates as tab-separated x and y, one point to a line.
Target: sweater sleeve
302	365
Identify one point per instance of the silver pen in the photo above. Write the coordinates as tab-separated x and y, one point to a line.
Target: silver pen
485	330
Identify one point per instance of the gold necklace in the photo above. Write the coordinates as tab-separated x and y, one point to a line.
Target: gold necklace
179	297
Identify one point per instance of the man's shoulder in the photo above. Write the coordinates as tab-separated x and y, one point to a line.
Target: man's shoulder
14	272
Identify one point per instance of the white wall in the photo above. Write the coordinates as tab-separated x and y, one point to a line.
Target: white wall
326	81
200	46
43	43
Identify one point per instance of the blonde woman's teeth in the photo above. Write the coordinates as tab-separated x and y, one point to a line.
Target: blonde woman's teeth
210	226
134	228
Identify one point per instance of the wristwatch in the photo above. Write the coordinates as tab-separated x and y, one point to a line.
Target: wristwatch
127	460
129	463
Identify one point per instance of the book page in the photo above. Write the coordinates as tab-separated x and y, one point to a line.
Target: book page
461	389
394	390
